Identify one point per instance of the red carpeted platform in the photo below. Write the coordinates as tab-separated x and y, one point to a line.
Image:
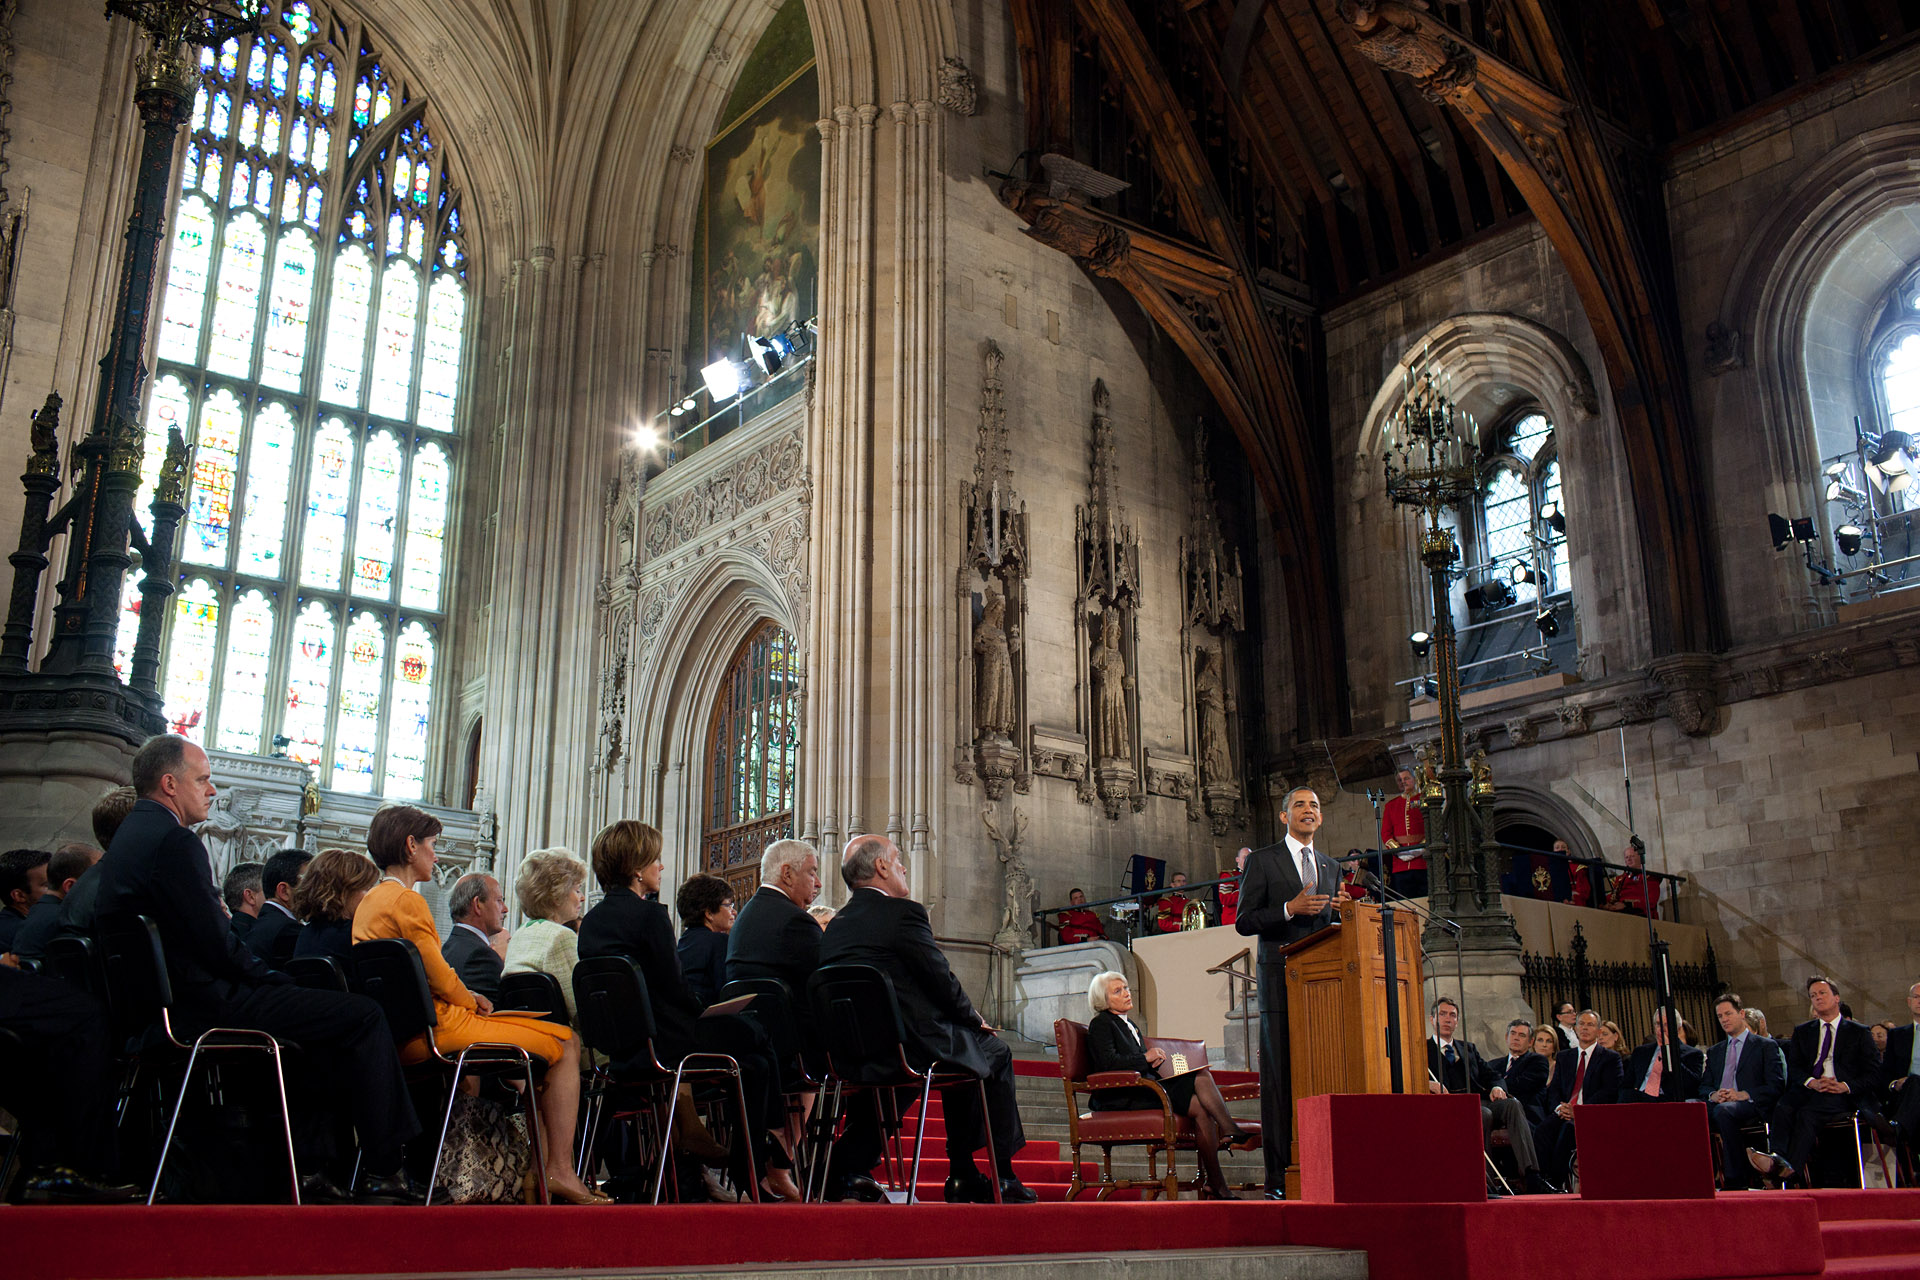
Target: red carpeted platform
1749	1236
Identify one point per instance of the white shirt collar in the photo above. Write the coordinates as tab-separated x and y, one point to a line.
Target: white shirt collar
1834	1021
462	924
1294	847
275	902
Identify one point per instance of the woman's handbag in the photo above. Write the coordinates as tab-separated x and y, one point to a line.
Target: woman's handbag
486	1156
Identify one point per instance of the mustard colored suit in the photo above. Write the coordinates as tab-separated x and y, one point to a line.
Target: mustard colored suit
389	911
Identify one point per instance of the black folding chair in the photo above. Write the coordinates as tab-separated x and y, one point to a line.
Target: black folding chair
13	1052
318	973
616	1021
866	1044
140	1001
70	958
389	971
795	1052
534	992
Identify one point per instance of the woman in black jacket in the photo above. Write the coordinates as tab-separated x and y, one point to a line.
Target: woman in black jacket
1115	1044
626	862
705	904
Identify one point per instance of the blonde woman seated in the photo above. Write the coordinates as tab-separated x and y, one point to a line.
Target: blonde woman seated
1114	1043
328	894
401	840
552	888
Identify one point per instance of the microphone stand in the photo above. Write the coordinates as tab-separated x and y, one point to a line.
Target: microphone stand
1659	950
1390	901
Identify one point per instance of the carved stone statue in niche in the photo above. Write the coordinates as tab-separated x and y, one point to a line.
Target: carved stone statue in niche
993	645
1113	731
1016	920
1210	692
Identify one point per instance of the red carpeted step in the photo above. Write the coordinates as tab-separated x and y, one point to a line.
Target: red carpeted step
1048	1192
1897	1267
1031	1172
1842	1204
1870	1237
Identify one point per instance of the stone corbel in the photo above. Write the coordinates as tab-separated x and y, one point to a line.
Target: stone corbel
1692	685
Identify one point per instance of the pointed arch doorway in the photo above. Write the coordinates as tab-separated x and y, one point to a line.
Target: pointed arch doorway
753	755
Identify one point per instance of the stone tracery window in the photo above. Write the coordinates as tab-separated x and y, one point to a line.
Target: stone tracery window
311	336
753	757
1893	367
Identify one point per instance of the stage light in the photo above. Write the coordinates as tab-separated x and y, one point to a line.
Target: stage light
768	353
677	410
1847	537
1522	576
1803	530
1549	624
1836	468
1421	642
722	378
1891	455
1430	687
646	437
1552	515
1491	594
1841	491
1781	529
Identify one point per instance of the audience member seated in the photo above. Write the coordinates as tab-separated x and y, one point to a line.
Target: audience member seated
1582	1076
274	935
109	811
63	1087
157	867
1831	1068
774	937
1743	1079
401	839
1900	1118
1455	1066
627	863
23	878
705	907
1226	894
1563	1025
821	914
64	870
240	890
552	887
880	925
479	912
1079	924
1546	1043
1524	1071
1611	1037
1114	1043
1647	1077
326	899
1170	911
1633	890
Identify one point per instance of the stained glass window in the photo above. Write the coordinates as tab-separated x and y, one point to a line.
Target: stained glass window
303	290
1519	549
753	754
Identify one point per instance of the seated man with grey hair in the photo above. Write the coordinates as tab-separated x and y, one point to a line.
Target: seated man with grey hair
479	910
240	890
773	936
883	927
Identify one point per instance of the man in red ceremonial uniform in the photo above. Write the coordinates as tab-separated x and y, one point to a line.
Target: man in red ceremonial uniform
1171	910
1077	922
1402	824
1228	892
1631	890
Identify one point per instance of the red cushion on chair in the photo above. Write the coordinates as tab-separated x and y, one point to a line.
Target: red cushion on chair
1131	1126
1071	1039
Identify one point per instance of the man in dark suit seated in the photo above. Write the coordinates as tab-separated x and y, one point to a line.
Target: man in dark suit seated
276	933
64	870
1832	1067
1900	1122
1744	1077
479	910
347	1062
1522	1072
1455	1066
1584	1075
773	936
883	927
23	878
240	890
1646	1074
62	1086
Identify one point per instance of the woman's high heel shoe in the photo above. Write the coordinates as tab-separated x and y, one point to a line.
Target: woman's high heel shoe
568	1195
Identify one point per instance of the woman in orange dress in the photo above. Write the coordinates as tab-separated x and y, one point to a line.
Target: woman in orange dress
401	840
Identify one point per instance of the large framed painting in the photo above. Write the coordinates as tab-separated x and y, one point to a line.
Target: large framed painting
762	231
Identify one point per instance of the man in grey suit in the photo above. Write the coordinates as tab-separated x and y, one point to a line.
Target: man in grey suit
1286	894
479	910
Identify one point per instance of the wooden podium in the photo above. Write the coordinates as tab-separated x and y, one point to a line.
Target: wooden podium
1337	1011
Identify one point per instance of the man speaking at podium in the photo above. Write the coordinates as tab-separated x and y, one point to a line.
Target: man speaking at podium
1286	894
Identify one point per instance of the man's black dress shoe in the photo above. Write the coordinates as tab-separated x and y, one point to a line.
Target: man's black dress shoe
74	1187
1539	1186
318	1188
971	1187
858	1187
389	1188
1013	1191
1276	1194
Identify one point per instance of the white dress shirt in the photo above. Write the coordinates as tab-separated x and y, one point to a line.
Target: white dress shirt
1309	875
1833	1049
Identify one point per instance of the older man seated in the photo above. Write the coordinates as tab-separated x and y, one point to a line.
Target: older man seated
479	911
1455	1066
1646	1075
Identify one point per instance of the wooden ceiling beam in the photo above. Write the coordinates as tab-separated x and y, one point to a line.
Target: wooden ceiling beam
1259	139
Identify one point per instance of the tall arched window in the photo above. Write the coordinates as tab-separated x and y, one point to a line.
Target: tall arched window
1881	497
1517	574
753	751
310	343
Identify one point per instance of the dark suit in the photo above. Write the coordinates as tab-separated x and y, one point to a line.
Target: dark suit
1470	1073
1555	1137
1682	1084
772	938
11	922
1271	881
703	960
323	937
1112	1047
895	936
273	936
63	1082
158	868
1801	1111
1525	1078
242	924
1903	1104
477	963
43	921
1761	1074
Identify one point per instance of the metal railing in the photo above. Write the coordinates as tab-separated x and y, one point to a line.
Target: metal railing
1133	927
1620	992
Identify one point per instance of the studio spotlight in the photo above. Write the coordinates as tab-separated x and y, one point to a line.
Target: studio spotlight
1491	594
1890	461
768	353
1430	687
646	437
1781	529
1421	642
1549	624
1803	530
1847	537
677	410
1522	575
1840	491
1552	515
280	744
722	378
1836	468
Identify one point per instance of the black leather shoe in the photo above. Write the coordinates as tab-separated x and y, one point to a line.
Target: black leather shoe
1013	1191
1538	1185
74	1187
1276	1194
389	1188
859	1187
969	1188
318	1188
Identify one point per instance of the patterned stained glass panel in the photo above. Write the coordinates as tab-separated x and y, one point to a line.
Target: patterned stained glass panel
263	518
1900	383
426	528
216	460
299	19
440	362
220	115
1508	508
376	529
186	295
393	343
330	480
129	629
249	132
356	731
407	714
1562	579
309	685
298	139
289	310
351	305
244	674
190	659
1527	435
236	306
168	408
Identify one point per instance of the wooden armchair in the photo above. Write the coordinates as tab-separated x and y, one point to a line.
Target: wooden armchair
1160	1131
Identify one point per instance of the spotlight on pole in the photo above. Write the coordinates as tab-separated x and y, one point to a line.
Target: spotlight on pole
723	379
1421	642
1554	516
1803	530
1522	576
1491	594
646	437
1781	530
1548	623
1847	538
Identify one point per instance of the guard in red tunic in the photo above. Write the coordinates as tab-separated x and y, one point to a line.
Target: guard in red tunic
1228	891
1078	923
1403	823
1170	912
1632	890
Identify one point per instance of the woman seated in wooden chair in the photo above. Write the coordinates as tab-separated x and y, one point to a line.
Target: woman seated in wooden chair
1114	1043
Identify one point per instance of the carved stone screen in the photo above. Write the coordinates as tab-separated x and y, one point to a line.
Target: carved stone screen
753	749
